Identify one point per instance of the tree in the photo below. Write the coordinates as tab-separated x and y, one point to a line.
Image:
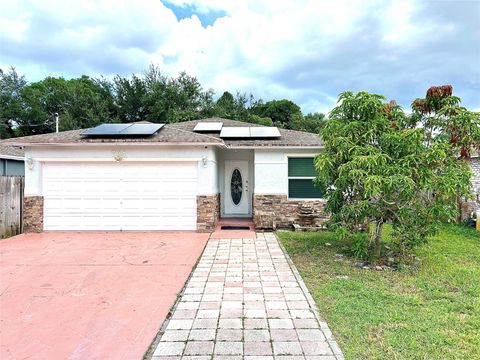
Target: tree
186	100
157	98
441	115
225	106
284	113
312	122
80	103
377	169
243	106
129	97
255	119
11	85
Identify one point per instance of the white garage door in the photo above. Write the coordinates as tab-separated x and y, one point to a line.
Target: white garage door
120	196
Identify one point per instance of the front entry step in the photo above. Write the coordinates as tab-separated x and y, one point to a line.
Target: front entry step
241	222
234	228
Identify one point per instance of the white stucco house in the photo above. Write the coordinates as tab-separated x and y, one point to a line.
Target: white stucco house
182	176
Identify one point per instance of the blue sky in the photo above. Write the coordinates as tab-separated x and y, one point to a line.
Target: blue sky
304	50
185	11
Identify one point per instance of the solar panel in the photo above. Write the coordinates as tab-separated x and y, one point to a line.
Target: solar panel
208	127
106	129
141	129
264	132
123	130
235	132
260	132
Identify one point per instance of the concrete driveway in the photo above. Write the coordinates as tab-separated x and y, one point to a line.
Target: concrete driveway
90	295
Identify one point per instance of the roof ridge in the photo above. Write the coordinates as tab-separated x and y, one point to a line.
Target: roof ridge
198	134
298	131
218	119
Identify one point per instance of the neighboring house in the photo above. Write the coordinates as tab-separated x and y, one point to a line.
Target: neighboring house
475	166
469	207
177	178
11	160
474	205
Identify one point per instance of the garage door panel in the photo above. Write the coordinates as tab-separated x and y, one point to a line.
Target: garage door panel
107	204
187	188
160	187
113	196
79	205
70	222
94	187
150	222
164	205
170	223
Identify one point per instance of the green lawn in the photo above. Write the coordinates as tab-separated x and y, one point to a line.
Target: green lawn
428	311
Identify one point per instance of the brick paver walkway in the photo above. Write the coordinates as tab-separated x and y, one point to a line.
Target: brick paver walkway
244	300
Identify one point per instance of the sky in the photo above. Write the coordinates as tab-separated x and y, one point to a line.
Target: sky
308	51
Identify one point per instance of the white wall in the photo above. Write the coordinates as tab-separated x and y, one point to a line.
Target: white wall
271	169
207	175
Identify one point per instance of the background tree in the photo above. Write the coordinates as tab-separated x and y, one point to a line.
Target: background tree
186	99
284	113
80	103
243	106
377	169
27	109
441	114
444	119
255	119
311	122
11	86
157	98
130	98
225	106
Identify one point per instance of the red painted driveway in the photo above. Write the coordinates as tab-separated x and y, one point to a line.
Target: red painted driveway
67	295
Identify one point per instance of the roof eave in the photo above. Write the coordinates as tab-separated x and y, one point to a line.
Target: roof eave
11	157
275	147
151	143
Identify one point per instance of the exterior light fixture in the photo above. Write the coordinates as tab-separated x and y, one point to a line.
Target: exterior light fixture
30	163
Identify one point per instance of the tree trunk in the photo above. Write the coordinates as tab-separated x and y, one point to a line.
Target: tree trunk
377	239
459	209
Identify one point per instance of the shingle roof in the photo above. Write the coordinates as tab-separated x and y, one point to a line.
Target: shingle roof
10	152
167	134
180	133
288	137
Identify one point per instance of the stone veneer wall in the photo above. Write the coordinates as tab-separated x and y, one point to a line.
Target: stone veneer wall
33	214
208	212
277	211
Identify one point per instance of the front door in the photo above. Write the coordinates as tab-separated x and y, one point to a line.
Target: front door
236	193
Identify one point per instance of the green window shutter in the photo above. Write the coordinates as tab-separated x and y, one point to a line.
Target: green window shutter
301	167
303	189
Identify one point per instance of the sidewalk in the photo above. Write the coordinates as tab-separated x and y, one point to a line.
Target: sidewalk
245	301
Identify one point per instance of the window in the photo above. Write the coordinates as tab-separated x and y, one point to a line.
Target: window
301	173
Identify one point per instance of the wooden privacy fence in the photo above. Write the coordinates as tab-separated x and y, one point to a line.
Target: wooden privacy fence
11	200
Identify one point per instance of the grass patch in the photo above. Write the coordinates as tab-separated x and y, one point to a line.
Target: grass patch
430	310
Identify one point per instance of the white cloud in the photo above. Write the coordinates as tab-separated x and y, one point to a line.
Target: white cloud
307	51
